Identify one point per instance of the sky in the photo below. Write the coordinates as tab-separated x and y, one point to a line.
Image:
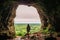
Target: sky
26	14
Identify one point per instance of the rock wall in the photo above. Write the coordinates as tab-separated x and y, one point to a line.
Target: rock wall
49	11
7	20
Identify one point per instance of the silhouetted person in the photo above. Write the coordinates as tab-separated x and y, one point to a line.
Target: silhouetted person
50	38
28	28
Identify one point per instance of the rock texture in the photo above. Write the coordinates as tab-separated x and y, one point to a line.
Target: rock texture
49	11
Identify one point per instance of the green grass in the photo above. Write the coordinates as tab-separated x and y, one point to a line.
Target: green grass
21	29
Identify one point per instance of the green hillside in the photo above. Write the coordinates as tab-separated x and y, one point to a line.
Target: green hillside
21	28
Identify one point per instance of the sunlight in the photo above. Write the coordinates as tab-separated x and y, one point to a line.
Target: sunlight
26	14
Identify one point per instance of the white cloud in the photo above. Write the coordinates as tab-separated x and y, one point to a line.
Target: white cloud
26	14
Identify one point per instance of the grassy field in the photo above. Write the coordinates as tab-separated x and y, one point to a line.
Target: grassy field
20	29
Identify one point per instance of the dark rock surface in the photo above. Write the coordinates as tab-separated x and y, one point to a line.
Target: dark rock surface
49	11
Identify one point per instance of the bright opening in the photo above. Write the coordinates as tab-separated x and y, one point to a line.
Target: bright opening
26	15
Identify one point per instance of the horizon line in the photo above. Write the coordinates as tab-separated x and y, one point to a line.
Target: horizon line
27	23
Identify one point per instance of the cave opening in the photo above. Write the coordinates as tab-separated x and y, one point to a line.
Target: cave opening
26	15
48	13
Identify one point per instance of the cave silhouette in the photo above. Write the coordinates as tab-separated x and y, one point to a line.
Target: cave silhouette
49	12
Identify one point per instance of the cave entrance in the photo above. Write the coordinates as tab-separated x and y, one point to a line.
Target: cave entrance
26	15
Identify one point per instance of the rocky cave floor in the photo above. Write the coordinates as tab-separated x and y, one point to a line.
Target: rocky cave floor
35	36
